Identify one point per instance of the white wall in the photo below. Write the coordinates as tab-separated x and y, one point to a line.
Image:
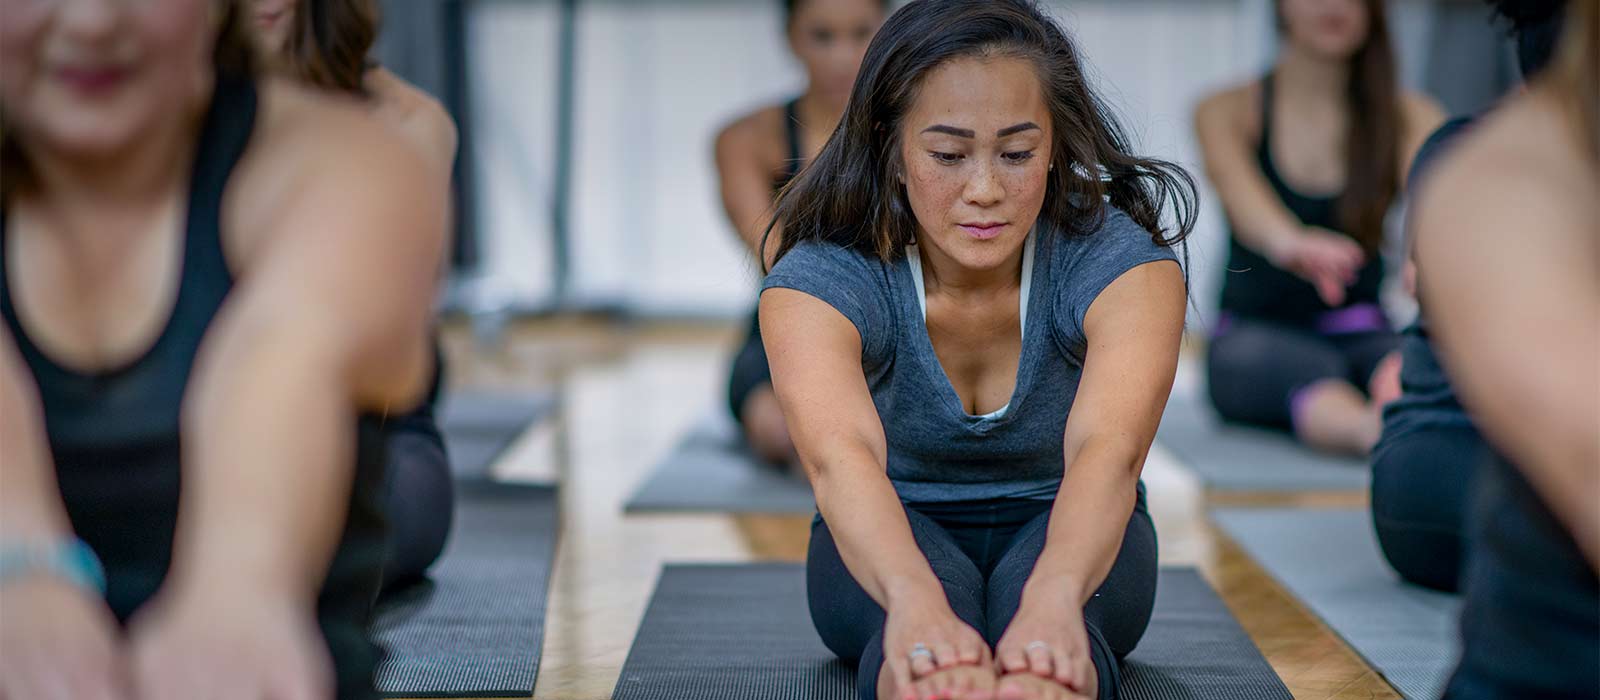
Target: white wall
657	79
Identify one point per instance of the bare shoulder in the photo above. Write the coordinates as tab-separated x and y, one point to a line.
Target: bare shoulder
1420	106
1236	104
1422	113
754	135
418	115
312	142
1517	173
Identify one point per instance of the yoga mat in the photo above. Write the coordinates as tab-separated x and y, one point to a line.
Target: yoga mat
1330	561
1238	458
744	631
711	470
479	426
475	626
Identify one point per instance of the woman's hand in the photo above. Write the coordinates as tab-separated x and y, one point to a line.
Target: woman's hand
1328	260
58	642
929	622
1047	639
229	642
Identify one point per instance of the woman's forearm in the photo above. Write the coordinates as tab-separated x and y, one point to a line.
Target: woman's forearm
268	469
1087	523
872	534
30	501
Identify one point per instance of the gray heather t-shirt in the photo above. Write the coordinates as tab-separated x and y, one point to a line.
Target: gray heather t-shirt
938	453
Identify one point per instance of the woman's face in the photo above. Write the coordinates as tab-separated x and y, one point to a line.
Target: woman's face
1334	29
830	37
91	77
271	20
976	150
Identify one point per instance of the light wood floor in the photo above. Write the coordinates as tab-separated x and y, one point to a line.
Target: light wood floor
627	393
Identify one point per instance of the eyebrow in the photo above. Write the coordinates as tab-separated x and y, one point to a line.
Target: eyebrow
968	133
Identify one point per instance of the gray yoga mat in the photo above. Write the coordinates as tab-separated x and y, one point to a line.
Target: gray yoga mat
1238	458
478	426
743	631
475	627
1330	561
711	470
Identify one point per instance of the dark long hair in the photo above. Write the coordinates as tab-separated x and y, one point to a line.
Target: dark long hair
850	195
1572	74
232	57
329	42
1536	26
1372	146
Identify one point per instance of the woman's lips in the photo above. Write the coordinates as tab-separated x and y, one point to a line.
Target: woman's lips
983	231
90	81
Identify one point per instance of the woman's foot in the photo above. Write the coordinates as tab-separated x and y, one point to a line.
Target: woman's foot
1333	416
1027	686
970	682
1384	385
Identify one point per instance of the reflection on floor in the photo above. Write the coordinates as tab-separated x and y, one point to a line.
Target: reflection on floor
628	391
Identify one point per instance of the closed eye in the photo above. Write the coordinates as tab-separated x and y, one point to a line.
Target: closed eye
945	158
1018	156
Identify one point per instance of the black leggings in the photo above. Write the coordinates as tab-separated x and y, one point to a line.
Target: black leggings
1421	483
750	370
983	553
418	499
1530	618
1255	367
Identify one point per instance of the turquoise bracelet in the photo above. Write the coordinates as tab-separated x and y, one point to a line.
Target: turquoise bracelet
69	559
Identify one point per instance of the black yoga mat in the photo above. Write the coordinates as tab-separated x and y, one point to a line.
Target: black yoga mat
711	470
478	426
475	627
743	631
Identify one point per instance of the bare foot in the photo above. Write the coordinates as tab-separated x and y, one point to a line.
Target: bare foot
1026	686
1384	385
973	682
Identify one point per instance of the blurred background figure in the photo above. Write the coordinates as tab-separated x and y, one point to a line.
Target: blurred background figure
1307	162
214	278
760	153
1517	322
325	43
1422	467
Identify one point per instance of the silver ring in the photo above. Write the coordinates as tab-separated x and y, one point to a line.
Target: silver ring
920	650
1036	644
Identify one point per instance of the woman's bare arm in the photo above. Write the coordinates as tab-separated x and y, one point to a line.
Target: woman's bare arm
1261	221
1134	329
329	318
816	370
746	187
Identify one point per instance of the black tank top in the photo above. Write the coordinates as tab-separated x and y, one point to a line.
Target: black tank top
115	438
1253	287
791	132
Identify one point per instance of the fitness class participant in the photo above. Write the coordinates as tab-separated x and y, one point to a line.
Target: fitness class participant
974	254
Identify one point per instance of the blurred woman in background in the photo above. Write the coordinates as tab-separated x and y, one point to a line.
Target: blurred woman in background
1508	265
1307	162
761	152
326	43
206	277
1430	451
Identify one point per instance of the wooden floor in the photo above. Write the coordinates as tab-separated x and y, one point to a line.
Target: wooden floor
627	392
